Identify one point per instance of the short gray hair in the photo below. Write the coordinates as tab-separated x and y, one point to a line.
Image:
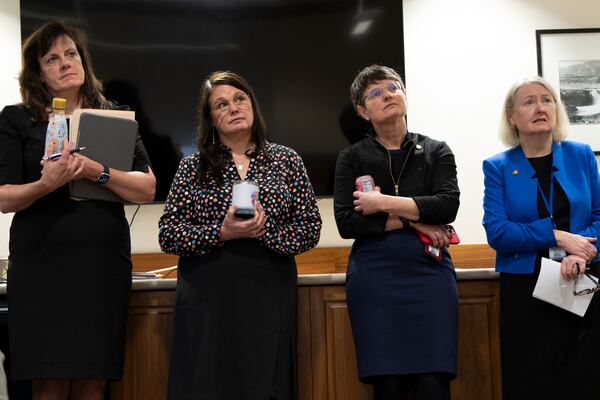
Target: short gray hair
510	135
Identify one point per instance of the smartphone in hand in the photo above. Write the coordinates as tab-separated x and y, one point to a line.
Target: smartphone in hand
454	239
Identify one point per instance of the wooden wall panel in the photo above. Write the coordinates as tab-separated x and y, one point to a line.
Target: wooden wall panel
305	373
328	260
478	341
147	347
342	370
334	363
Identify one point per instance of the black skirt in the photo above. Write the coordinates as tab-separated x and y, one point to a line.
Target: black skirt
234	331
547	352
403	307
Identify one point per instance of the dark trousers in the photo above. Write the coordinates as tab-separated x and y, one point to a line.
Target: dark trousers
547	353
423	386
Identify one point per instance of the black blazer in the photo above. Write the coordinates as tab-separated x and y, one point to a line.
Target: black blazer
429	177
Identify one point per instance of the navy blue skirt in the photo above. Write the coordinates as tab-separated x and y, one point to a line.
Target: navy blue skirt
403	307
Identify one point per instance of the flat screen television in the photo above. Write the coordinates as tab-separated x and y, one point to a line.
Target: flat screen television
300	56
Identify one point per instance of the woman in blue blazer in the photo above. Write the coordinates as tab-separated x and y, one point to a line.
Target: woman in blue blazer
542	199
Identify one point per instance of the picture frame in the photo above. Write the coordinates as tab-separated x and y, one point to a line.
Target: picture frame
570	60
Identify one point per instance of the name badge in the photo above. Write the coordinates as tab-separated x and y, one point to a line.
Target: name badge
556	253
435	252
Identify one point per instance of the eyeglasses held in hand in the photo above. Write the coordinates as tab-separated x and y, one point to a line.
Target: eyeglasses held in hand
587	290
377	93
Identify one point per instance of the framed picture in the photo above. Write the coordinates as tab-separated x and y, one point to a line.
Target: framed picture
570	60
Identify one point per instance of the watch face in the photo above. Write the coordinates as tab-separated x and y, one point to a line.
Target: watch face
103	178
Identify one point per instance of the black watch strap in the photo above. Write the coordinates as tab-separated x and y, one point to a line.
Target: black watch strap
405	222
104	176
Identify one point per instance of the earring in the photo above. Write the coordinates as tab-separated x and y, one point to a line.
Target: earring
213	135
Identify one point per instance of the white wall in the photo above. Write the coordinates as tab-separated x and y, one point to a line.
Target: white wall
10	46
461	56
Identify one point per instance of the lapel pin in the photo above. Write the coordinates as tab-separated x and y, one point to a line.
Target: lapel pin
515	172
419	147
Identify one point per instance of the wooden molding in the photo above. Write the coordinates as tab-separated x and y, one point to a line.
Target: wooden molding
327	260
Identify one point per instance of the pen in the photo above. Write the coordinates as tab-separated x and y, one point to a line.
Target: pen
54	156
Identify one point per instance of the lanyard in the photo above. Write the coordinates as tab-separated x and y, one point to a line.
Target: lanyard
547	203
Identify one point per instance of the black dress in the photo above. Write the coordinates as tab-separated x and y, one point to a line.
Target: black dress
70	269
234	328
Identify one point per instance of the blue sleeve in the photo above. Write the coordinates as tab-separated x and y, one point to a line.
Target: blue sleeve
593	229
505	235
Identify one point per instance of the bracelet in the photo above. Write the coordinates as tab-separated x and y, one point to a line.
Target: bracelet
405	223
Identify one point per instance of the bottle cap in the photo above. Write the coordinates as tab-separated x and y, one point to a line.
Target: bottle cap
59	103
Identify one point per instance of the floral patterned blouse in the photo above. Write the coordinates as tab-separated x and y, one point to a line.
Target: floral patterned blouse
194	211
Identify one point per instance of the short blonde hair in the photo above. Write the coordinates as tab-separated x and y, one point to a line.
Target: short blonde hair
509	134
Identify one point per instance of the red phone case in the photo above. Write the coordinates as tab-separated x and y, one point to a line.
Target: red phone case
454	239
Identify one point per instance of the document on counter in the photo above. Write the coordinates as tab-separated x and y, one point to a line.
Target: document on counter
552	288
137	276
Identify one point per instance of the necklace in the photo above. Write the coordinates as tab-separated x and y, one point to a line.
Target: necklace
239	165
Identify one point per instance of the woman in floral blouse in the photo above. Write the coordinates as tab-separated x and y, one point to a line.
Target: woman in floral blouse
234	334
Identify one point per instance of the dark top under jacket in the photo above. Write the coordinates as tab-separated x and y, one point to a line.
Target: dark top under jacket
403	304
70	268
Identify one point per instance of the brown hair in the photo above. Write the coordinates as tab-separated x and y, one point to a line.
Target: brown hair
209	148
34	93
369	75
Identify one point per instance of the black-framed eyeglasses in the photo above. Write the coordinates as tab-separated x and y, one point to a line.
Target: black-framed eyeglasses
392	88
583	292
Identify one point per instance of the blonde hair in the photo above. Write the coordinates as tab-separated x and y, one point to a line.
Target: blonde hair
509	134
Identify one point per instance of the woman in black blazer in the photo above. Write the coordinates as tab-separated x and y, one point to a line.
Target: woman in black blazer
403	303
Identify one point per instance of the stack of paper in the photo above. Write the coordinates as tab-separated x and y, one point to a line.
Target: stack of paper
145	275
552	288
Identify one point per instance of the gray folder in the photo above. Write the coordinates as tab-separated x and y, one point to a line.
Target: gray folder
110	141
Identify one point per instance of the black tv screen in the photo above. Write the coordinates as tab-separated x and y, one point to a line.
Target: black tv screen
300	56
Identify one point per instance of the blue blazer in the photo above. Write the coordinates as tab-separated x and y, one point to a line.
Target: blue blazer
511	218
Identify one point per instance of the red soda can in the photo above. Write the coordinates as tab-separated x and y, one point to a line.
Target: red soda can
365	183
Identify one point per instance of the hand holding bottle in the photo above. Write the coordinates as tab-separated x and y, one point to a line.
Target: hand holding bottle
59	172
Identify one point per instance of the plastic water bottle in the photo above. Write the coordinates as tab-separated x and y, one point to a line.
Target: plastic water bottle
57	132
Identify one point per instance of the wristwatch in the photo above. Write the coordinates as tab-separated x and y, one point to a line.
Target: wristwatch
405	223
104	176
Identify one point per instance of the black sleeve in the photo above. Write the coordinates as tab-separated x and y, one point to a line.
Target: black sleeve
141	161
11	150
442	205
350	224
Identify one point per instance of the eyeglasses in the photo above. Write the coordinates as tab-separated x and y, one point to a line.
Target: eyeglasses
392	88
587	290
240	100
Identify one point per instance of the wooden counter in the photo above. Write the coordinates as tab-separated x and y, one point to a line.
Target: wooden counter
326	359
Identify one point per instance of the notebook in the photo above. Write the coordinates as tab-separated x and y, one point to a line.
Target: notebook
108	140
74	120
